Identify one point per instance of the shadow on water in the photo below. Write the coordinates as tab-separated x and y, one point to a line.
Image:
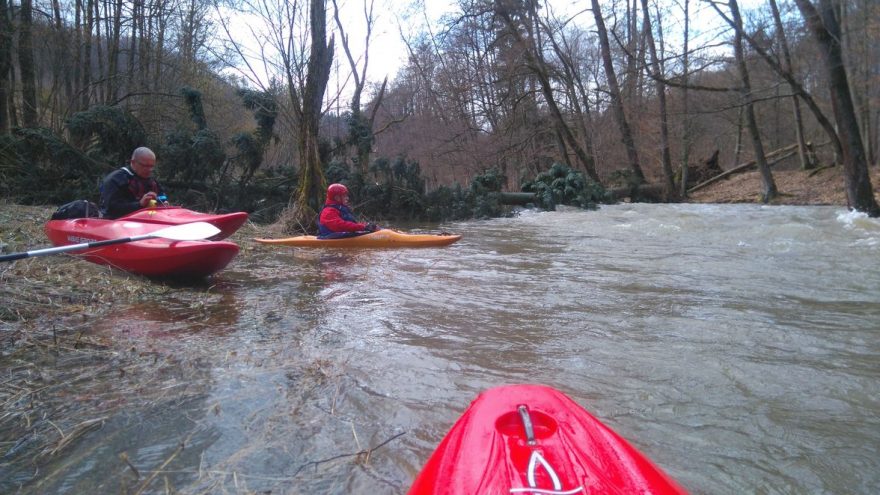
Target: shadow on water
735	345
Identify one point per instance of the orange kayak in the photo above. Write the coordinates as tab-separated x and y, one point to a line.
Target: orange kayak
384	238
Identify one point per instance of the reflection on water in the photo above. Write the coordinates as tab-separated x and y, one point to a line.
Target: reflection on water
736	346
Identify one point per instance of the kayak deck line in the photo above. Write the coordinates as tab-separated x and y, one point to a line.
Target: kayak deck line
537	459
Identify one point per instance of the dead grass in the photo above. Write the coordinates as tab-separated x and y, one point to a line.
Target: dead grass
54	287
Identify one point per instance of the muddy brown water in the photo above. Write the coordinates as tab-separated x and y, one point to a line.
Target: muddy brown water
736	345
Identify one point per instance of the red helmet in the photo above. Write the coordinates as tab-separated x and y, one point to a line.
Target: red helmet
334	190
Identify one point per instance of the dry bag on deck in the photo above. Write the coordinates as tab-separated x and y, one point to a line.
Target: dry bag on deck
80	208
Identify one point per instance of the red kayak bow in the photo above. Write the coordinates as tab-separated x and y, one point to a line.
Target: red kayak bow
533	439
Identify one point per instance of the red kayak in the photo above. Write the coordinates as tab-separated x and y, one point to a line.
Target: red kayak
532	439
228	223
156	257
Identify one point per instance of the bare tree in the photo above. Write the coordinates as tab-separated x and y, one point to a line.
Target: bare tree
666	157
536	63
685	102
769	184
795	103
789	77
293	52
822	21
86	69
616	100
358	120
60	69
26	64
307	198
5	65
858	24
573	80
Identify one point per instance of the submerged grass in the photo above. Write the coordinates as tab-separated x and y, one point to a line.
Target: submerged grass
50	288
53	370
64	388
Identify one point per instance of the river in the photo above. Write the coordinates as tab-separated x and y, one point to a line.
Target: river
737	346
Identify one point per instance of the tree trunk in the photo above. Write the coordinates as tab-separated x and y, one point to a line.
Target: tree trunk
361	149
133	36
738	145
852	50
827	126
5	65
685	110
666	156
869	76
61	71
795	103
113	53
616	102
823	24
630	54
563	151
13	114
87	55
577	93
364	151
100	97
77	56
539	69
308	196
143	44
773	158
26	65
770	191
161	22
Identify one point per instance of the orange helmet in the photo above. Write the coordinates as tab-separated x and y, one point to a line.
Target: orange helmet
334	190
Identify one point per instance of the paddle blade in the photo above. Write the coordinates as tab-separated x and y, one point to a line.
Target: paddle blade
187	232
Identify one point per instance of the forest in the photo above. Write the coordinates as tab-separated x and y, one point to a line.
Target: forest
578	106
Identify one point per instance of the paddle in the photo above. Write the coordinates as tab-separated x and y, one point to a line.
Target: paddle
186	232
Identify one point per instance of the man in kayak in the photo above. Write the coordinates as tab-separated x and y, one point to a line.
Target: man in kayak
337	220
131	187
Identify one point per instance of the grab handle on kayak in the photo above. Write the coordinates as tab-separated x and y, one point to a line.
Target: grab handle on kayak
527	423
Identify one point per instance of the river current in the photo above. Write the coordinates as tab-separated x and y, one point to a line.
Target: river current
737	346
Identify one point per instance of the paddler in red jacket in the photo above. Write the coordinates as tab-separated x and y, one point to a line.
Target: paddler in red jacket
337	220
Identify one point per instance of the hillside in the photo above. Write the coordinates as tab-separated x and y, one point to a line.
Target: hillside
796	187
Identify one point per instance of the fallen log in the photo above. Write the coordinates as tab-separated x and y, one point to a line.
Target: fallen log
773	158
516	198
644	192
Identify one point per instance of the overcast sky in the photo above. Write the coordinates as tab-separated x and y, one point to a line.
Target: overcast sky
407	18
